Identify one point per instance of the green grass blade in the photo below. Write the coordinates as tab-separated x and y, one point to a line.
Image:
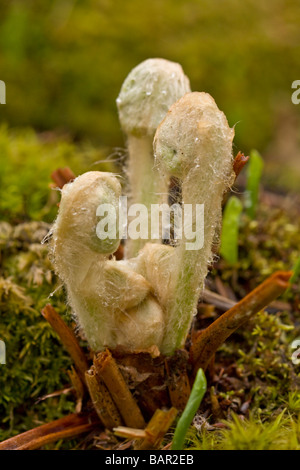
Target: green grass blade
196	396
296	272
294	278
230	230
255	169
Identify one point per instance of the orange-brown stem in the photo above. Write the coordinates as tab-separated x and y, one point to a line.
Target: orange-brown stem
107	368
209	340
69	426
239	163
78	388
62	176
102	400
68	339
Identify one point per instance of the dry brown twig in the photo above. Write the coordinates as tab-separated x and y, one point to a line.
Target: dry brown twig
178	380
152	436
239	163
156	429
78	388
68	339
107	369
102	400
69	426
62	176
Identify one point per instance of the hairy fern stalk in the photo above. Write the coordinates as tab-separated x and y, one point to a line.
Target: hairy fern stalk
149	298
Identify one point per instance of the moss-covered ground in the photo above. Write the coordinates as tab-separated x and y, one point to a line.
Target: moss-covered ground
255	399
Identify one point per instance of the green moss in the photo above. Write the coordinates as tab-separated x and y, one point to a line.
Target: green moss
256	360
36	363
27	161
267	244
249	434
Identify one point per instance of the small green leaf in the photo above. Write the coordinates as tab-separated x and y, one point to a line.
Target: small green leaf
230	230
296	272
196	396
295	276
255	168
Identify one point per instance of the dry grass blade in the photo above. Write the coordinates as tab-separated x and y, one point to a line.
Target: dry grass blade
78	388
219	301
130	433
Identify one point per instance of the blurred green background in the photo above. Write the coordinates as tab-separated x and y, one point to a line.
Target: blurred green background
64	61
